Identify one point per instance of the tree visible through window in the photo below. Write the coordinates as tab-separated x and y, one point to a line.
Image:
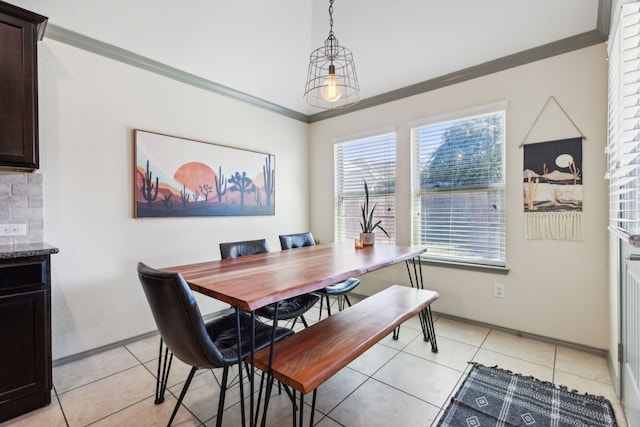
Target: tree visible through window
458	187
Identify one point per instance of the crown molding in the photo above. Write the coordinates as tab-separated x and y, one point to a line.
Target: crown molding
580	41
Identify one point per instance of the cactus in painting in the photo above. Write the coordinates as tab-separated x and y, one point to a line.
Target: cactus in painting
531	192
258	197
149	191
219	183
206	189
243	184
575	172
167	201
269	179
184	196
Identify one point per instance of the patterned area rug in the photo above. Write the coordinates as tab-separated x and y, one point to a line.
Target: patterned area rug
495	397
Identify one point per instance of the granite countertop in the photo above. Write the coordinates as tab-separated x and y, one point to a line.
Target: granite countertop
20	250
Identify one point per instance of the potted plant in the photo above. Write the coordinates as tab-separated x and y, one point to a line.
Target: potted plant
367	236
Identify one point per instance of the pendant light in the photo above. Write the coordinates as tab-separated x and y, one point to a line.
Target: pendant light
331	81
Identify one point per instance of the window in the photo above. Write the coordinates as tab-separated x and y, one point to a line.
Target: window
624	124
458	186
370	158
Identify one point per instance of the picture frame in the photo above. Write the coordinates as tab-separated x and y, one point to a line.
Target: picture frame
178	177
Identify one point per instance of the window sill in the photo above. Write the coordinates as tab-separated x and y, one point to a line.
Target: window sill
466	266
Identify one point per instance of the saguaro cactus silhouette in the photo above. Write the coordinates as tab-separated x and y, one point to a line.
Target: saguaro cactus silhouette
269	179
258	197
243	184
184	196
149	191
219	183
167	201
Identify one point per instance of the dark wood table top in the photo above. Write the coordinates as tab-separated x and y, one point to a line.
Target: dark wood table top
251	282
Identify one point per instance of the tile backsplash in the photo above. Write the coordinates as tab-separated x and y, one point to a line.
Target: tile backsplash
21	202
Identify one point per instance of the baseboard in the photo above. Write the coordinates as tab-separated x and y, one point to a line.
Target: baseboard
82	355
586	348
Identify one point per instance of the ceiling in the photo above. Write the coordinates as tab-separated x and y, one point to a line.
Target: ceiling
259	50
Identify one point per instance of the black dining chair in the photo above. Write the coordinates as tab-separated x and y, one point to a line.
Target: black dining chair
288	309
202	345
338	290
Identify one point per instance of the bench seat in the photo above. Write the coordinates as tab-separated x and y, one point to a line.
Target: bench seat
308	358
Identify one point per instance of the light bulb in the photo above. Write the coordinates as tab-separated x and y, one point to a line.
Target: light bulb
331	91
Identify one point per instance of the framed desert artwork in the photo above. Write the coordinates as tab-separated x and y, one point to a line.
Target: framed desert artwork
176	177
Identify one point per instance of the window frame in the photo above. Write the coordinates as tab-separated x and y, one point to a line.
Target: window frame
499	260
344	200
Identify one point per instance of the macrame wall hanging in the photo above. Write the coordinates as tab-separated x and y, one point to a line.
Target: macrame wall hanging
552	185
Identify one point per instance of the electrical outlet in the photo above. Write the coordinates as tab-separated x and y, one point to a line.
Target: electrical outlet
498	290
13	229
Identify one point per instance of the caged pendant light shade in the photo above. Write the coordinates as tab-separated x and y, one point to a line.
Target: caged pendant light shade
331	80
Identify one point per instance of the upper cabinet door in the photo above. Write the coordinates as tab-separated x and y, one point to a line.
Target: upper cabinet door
20	31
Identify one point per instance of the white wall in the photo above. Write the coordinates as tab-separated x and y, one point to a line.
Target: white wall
89	106
557	289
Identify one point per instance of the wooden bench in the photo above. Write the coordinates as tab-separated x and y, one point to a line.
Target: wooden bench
308	358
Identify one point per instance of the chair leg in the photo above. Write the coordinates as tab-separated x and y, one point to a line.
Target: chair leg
328	305
223	392
320	312
184	391
346	298
163	373
304	321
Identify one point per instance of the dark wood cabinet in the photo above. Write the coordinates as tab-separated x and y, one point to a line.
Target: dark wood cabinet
25	335
20	31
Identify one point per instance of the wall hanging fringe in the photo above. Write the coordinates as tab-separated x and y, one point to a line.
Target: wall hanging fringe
553	225
540	114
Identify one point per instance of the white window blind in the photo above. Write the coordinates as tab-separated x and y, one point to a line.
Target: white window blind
458	187
624	124
371	158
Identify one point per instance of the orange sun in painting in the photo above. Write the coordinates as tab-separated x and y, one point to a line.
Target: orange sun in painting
195	174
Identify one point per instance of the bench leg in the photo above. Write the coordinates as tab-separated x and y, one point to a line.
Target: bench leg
299	418
428	330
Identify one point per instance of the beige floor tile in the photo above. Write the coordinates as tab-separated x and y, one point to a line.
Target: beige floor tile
459	331
584	385
534	351
413	323
336	389
453	354
376	404
50	416
373	359
148	414
279	413
514	364
326	421
146	349
583	364
204	392
407	334
177	374
80	372
96	400
421	378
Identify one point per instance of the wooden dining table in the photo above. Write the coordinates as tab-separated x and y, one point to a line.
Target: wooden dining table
252	282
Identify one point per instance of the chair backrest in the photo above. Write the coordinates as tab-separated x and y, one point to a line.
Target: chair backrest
290	241
243	248
178	318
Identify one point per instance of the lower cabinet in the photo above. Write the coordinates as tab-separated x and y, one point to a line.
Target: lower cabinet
25	335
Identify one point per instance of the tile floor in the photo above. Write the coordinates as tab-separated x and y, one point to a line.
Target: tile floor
395	383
